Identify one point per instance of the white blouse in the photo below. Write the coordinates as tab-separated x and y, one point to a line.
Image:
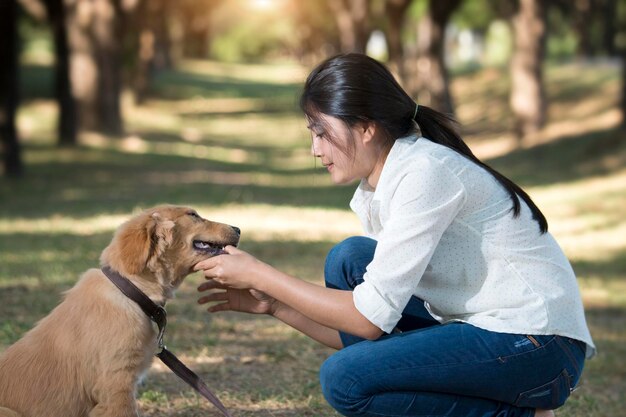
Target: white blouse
446	234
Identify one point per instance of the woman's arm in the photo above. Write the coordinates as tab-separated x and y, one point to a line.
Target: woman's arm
328	307
324	335
256	302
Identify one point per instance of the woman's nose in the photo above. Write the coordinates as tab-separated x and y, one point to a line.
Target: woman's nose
314	150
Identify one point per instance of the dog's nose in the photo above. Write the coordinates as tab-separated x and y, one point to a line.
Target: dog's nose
237	230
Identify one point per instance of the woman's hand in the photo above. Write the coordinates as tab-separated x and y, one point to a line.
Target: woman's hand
246	301
233	273
234	270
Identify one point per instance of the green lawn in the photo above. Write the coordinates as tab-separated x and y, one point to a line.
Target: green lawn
229	140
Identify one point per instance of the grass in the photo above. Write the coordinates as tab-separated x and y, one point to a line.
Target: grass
228	139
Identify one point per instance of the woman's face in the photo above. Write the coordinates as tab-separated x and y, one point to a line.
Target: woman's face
350	155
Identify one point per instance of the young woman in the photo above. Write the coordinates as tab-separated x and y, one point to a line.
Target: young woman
457	303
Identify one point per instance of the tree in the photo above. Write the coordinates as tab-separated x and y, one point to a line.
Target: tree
353	22
621	22
8	88
195	17
623	103
317	36
609	19
528	98
432	76
67	125
594	24
583	17
152	50
95	38
396	10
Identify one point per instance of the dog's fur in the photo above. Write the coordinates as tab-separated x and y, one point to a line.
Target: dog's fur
86	356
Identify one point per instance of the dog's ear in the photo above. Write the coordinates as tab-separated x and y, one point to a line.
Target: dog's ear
137	241
162	238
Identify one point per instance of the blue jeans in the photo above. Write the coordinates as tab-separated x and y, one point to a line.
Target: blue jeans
429	369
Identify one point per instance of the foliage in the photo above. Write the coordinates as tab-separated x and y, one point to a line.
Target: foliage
256	39
474	14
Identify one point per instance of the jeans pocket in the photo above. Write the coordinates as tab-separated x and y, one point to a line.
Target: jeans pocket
548	396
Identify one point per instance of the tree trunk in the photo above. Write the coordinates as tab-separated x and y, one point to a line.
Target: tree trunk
196	29
67	126
153	48
396	14
196	42
432	76
583	17
528	99
623	103
609	25
353	22
9	88
196	33
95	38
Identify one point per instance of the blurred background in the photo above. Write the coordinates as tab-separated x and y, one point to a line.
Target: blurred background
112	106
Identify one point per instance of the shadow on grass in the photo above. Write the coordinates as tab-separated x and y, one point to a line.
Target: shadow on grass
179	84
85	182
37	81
610	269
567	159
267	109
262	151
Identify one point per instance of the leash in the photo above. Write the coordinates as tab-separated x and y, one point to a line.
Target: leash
158	315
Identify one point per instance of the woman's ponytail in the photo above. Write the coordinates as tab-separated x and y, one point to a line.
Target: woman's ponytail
443	129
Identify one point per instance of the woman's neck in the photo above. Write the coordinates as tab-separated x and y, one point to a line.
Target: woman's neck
374	176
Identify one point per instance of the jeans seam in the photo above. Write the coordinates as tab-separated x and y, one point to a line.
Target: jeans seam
569	355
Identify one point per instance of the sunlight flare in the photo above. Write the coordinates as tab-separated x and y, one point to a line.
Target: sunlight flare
262	5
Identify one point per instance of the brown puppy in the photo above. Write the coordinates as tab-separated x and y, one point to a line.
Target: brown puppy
86	356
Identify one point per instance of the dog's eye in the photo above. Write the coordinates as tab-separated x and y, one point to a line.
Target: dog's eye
194	214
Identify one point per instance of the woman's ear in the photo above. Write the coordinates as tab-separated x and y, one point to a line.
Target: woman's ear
369	132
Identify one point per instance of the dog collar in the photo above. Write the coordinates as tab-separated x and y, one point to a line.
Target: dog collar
158	315
156	312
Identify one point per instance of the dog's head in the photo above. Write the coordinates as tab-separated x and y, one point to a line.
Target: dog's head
164	243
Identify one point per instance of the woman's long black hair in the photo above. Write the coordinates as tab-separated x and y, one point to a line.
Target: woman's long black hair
355	88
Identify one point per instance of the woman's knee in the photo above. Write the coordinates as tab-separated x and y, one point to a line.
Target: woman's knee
346	262
340	385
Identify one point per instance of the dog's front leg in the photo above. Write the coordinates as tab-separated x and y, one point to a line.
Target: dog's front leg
119	404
